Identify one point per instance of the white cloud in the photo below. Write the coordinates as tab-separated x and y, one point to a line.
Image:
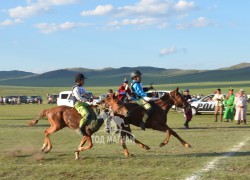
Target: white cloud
171	50
197	23
144	12
27	11
136	21
61	2
144	8
9	22
98	11
184	6
48	28
33	9
163	25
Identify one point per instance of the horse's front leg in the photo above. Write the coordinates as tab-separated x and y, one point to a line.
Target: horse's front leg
45	144
80	148
83	141
172	132
123	142
166	140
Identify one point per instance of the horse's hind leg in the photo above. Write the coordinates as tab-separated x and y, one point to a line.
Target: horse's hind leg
80	148
131	137
127	132
47	146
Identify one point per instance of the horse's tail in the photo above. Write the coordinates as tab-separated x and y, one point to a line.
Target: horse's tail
41	115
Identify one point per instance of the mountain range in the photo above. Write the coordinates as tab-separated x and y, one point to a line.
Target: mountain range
115	76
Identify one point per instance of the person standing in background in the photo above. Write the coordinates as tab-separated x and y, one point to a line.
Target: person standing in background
187	112
241	107
229	106
218	98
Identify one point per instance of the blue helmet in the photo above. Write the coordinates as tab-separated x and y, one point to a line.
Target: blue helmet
135	73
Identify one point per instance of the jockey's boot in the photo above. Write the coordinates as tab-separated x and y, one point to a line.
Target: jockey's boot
145	117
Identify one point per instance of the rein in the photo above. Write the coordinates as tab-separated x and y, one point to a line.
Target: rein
166	102
173	98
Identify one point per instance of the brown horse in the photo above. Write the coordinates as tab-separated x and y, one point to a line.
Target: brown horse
65	116
133	113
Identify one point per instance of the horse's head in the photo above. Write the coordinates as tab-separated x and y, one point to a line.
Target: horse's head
178	99
117	106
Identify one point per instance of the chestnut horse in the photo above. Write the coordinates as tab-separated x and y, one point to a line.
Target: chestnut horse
133	113
65	116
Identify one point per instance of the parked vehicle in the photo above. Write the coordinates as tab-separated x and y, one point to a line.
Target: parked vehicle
10	99
35	100
203	105
24	99
155	94
52	98
65	98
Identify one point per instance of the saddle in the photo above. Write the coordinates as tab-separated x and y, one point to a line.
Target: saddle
72	119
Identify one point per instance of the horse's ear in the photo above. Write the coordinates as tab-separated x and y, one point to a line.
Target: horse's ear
177	89
114	96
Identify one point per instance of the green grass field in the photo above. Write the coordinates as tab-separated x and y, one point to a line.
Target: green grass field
195	88
219	150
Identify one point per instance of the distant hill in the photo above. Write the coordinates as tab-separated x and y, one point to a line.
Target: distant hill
115	76
14	74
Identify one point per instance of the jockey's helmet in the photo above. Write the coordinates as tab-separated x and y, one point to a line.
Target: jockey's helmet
79	76
135	73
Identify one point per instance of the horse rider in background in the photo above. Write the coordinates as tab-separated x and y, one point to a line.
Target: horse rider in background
124	92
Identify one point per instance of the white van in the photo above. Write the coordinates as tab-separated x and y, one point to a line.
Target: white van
155	94
65	98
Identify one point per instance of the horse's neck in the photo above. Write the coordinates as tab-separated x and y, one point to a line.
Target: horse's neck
166	107
163	105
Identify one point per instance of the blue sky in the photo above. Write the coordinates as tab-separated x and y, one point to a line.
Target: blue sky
44	35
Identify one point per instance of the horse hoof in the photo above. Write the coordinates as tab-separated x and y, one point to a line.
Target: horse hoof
76	158
187	145
147	148
76	155
129	155
162	144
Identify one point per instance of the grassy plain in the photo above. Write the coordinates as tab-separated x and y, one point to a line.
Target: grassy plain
214	153
195	88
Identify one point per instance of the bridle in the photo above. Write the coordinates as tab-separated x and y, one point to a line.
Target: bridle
175	100
120	105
